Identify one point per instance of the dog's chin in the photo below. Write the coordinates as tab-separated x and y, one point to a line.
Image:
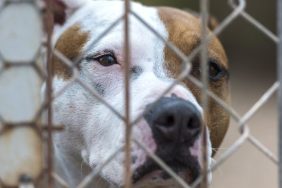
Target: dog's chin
151	175
160	179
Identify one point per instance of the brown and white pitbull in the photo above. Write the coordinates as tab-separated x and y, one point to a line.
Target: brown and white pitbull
169	128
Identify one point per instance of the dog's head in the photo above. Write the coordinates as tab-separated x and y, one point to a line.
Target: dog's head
170	127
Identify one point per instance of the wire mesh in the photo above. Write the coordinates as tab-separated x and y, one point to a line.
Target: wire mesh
245	134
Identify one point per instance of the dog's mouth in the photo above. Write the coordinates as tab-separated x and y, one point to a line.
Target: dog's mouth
188	170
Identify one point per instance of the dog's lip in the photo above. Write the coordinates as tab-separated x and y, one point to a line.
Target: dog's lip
152	175
143	171
152	172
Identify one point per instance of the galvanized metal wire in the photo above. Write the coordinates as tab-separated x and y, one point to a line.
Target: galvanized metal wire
242	121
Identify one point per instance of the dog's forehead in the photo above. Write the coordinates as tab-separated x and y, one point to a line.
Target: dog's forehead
144	43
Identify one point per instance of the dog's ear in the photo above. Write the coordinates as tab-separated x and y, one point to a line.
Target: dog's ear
64	8
212	24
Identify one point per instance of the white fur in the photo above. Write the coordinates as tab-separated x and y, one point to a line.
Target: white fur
92	132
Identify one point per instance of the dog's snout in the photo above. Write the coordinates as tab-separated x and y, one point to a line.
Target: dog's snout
174	120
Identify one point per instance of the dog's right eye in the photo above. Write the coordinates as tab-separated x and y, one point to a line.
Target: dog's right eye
105	60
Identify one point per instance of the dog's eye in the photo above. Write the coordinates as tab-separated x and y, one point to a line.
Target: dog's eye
106	60
215	71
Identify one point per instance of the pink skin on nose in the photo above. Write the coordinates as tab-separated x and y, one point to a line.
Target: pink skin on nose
196	149
146	138
179	92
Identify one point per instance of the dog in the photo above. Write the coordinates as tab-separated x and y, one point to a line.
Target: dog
169	128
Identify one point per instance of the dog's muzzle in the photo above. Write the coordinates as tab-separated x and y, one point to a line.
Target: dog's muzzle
176	125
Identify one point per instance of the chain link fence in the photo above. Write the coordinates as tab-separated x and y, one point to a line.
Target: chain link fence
26	151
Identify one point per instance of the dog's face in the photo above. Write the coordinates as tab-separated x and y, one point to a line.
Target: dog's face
169	128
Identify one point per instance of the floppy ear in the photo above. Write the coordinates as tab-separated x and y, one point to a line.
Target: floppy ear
62	9
213	23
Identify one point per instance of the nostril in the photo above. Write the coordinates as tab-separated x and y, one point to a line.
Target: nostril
166	120
169	121
193	124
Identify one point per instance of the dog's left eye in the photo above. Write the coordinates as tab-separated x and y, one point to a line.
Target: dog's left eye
215	71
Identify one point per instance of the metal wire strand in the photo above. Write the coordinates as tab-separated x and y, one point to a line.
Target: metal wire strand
127	65
204	4
264	98
257	24
60	180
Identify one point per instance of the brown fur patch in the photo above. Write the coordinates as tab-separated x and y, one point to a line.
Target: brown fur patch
185	33
70	44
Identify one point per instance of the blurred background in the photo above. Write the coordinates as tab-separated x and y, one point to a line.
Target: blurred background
252	59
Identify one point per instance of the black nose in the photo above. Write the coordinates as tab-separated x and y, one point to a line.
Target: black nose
174	120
